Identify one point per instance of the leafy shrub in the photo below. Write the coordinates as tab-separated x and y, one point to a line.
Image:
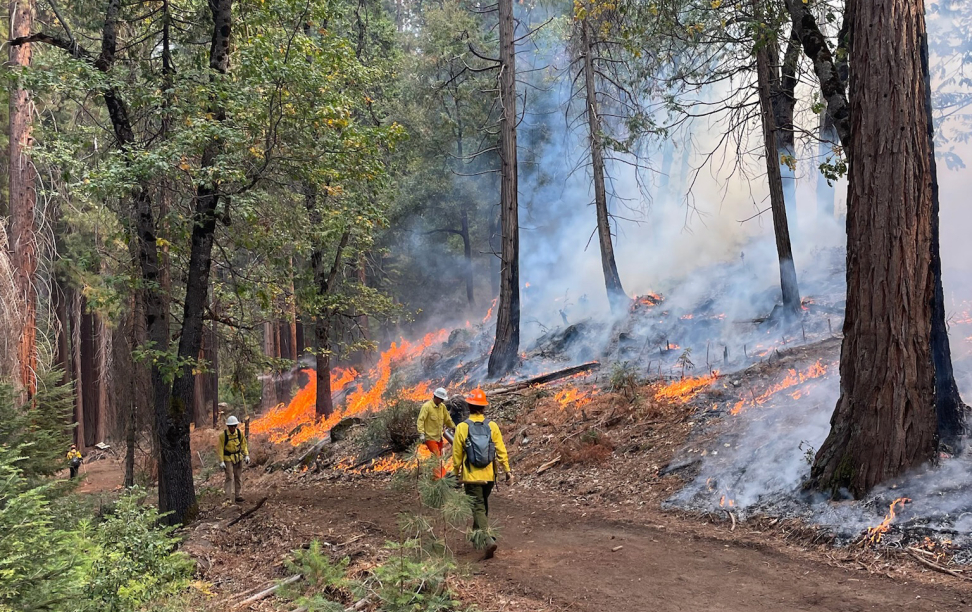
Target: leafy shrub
411	581
624	379
136	561
394	427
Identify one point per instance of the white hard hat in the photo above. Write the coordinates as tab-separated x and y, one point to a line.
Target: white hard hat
232	421
441	393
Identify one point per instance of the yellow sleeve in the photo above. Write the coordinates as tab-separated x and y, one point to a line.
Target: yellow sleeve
459	448
246	449
447	420
504	459
220	443
423	414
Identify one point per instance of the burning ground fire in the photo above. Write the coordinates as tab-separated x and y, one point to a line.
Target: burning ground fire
572	395
687	388
297	422
793	379
874	534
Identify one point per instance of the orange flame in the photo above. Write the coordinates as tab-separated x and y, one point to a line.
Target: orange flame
572	395
489	313
685	389
793	378
300	413
874	533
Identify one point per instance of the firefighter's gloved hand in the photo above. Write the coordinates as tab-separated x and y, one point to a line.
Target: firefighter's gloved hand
222	465
247	459
509	476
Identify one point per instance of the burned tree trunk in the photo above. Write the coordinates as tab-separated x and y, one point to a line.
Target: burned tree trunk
324	403
885	420
503	357
950	409
788	278
783	96
612	280
825	191
23	197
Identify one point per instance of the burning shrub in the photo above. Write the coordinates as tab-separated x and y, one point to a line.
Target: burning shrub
593	447
394	427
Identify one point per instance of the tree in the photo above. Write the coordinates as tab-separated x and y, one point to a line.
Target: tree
768	80
832	78
885	420
590	20
504	356
23	198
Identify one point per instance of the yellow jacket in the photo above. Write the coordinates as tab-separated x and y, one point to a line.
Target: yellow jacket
432	419
473	475
73	454
232	450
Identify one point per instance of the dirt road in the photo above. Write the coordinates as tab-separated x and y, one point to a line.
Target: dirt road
553	557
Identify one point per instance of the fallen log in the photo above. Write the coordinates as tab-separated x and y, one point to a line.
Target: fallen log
311	456
268	592
372	456
935	566
258	505
545	378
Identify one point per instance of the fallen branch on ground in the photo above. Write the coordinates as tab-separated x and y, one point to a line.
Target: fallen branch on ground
546	466
311	456
268	592
258	505
732	518
545	378
935	566
372	457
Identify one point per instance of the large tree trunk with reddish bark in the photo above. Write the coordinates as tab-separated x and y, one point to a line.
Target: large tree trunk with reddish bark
23	197
781	230
503	357
885	422
617	298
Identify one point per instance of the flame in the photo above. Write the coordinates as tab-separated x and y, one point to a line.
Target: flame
687	388
489	313
281	420
874	533
388	464
526	285
793	378
687	316
648	300
301	411
571	395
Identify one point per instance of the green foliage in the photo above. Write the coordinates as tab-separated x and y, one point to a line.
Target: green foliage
135	558
411	581
322	578
393	427
624	379
39	427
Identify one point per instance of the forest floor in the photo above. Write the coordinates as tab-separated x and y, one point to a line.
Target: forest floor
588	534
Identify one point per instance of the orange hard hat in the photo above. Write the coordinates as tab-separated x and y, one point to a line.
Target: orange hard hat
477	398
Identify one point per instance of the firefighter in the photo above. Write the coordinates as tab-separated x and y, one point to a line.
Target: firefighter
432	420
74	460
232	452
477	448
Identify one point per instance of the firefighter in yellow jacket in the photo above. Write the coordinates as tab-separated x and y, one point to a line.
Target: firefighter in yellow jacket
232	452
477	448
433	418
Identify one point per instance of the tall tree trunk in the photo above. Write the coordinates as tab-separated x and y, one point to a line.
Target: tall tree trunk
788	278
105	403
268	398
75	307
825	191
503	357
59	304
90	387
23	197
467	264
617	298
885	421
495	251
324	404
782	94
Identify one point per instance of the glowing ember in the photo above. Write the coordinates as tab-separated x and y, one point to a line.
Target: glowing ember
572	395
687	388
647	300
793	378
687	316
874	533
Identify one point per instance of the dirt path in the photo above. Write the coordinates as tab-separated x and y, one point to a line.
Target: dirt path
556	558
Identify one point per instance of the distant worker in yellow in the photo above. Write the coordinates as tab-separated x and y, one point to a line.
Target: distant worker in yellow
477	447
433	418
74	460
232	452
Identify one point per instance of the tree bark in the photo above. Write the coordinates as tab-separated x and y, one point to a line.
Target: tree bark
503	357
74	314
467	265
324	403
23	197
783	96
825	191
268	398
788	278
885	421
617	298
